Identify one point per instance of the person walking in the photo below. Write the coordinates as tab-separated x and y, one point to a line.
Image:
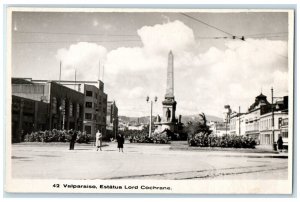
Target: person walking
73	139
120	140
280	143
99	140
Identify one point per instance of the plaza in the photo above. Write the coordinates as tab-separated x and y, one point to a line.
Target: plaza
142	161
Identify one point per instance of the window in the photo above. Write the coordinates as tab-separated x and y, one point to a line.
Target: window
88	116
88	104
71	109
285	134
54	105
89	93
63	106
88	129
77	110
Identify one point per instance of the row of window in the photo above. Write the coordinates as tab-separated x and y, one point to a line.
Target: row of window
89	93
252	126
90	105
265	124
70	109
90	116
265	139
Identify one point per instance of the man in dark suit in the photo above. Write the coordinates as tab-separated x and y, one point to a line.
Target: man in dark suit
73	139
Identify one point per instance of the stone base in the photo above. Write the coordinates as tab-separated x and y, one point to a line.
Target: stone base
161	126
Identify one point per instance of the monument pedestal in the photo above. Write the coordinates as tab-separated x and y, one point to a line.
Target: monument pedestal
161	126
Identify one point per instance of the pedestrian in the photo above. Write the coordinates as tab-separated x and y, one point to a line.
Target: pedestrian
73	139
120	140
280	143
99	140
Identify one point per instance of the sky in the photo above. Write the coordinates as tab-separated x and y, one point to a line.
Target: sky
211	69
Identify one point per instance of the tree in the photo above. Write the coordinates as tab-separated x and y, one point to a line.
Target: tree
199	128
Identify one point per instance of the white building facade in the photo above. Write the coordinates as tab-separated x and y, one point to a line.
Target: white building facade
257	122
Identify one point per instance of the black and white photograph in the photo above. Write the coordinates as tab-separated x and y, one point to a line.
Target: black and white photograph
190	101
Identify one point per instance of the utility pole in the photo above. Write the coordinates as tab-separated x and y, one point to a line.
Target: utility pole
272	107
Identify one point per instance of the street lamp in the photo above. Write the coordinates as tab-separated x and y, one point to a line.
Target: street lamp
151	103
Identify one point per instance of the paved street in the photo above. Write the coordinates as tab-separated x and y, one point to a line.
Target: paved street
139	161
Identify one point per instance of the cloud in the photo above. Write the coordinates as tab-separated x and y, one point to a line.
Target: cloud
136	92
84	57
161	38
205	81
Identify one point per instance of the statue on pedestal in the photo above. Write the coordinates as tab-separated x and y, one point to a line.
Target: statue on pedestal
158	119
168	114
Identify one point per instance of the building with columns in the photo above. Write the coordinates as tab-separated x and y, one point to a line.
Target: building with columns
65	104
47	105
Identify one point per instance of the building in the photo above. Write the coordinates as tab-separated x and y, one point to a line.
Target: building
278	114
112	117
219	128
284	128
67	108
237	123
95	109
257	122
253	116
65	104
28	115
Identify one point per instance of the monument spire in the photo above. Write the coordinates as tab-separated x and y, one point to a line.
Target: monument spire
169	121
170	77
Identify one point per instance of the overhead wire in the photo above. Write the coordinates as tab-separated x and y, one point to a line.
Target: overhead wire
233	36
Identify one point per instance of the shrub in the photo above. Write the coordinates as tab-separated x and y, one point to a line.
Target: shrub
226	141
160	138
157	138
56	136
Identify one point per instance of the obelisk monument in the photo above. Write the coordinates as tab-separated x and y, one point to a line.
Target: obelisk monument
170	77
169	120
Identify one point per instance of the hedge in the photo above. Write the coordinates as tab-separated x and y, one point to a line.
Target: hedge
155	138
56	136
228	141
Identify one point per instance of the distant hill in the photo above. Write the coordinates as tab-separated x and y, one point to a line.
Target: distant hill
134	120
145	119
196	117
